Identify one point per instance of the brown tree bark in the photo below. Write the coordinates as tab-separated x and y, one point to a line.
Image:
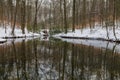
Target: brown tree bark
73	24
65	17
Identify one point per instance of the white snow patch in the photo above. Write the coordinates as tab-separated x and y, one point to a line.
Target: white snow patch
97	32
2	40
18	33
6	33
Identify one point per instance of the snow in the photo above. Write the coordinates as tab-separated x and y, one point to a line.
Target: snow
2	40
44	32
18	33
97	32
6	33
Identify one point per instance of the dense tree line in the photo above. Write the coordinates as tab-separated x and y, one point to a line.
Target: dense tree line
59	14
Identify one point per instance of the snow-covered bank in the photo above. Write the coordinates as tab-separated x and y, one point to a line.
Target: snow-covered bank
2	40
96	37
5	33
96	33
17	34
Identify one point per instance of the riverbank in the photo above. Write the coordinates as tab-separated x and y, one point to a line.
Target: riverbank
97	33
17	33
5	33
96	37
2	40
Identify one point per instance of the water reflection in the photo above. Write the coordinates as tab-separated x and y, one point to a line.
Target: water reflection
57	60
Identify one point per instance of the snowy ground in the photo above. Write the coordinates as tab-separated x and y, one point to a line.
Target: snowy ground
94	34
18	33
6	33
2	40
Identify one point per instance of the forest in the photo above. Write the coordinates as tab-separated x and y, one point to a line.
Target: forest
59	15
59	39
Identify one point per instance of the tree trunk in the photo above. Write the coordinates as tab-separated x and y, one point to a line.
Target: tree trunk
23	15
65	17
15	15
114	19
73	26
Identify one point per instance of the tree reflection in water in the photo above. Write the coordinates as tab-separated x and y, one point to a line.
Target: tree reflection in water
57	60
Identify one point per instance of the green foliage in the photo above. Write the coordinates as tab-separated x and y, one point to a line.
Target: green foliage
29	28
37	29
55	30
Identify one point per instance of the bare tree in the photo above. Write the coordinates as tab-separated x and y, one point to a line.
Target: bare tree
73	26
114	18
65	17
37	6
23	15
15	15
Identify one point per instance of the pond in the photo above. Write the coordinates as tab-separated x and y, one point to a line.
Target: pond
57	60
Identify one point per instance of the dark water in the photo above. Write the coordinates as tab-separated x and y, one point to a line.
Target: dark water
57	60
